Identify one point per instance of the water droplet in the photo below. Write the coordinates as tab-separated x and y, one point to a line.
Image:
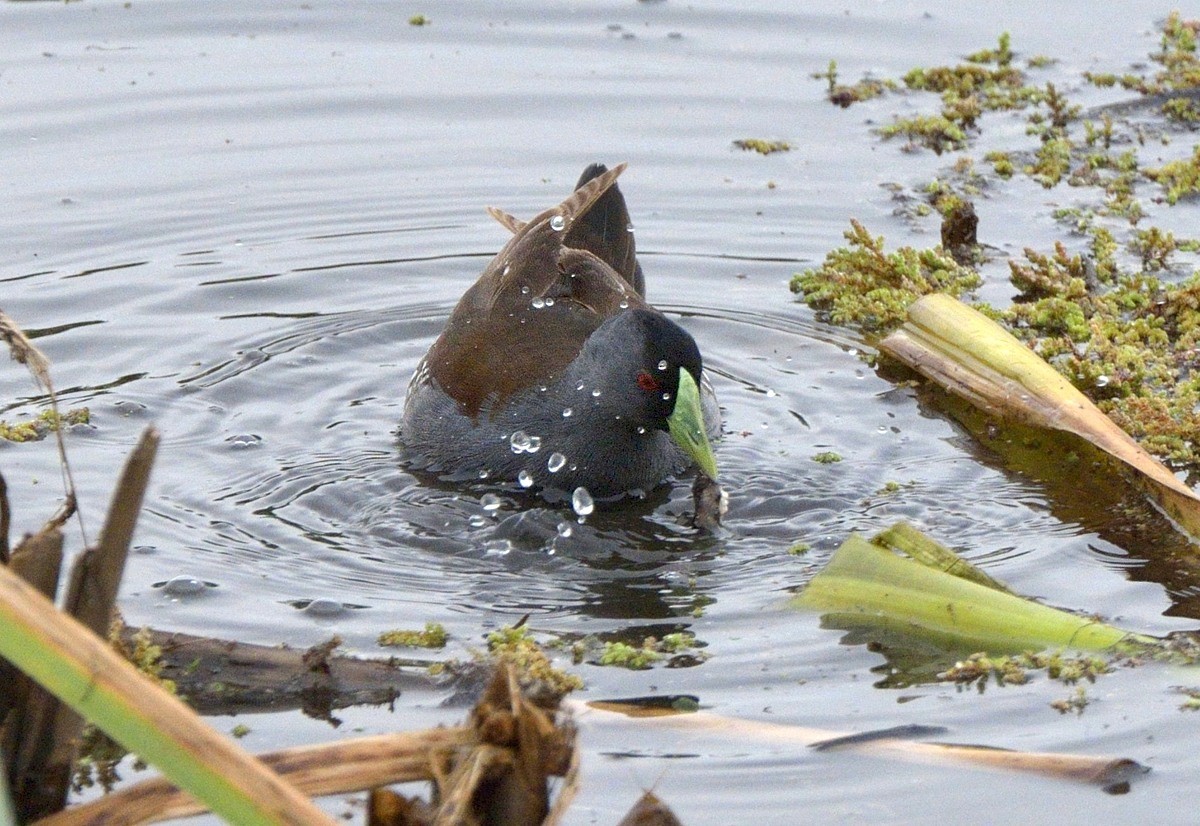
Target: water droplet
519	441
477	520
641	430
507	270
596	393
525	479
549	302
666	397
524	289
581	502
771	393
629	227
579	386
483	474
624	305
538	303
490	502
556	461
558	223
662	365
497	547
1102	381
565	529
568	412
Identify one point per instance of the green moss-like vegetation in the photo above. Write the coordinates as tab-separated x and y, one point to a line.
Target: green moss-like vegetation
1179	72
45	422
1116	312
828	457
936	132
1052	162
433	635
980	669
625	655
99	754
761	146
1122	337
862	286
1002	163
1076	702
843	95
518	647
652	650
1179	178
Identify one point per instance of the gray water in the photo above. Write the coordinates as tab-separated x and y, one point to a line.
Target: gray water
245	223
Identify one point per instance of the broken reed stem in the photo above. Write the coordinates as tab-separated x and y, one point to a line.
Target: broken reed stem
23	350
335	768
1097	770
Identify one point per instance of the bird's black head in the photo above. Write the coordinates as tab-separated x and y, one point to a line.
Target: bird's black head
639	354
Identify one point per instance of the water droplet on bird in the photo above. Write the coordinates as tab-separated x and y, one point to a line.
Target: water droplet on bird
549	302
624	305
525	479
490	502
538	303
596	393
629	227
641	430
535	444
524	289
556	462
519	441
507	269
662	365
579	386
485	473
1102	381
582	502
666	397
568	412
565	529
558	223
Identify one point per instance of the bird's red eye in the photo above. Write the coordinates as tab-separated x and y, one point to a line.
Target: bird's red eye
647	382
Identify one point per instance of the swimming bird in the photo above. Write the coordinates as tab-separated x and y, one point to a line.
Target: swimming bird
554	373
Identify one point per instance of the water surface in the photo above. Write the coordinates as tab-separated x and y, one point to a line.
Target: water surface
246	222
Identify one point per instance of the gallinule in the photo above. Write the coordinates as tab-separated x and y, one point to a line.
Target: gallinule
553	372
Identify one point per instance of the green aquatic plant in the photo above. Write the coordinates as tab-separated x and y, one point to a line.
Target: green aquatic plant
936	132
1175	83
48	421
761	146
433	635
862	286
624	655
1180	178
865	585
979	669
517	647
